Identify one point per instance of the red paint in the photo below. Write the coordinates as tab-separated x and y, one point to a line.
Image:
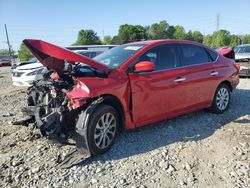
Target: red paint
155	95
42	50
144	66
227	52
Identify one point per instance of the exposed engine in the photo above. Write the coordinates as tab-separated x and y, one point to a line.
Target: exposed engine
50	109
47	103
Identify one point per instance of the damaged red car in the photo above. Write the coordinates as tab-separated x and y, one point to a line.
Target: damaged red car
127	87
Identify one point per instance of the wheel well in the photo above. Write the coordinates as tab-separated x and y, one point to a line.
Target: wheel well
228	84
116	104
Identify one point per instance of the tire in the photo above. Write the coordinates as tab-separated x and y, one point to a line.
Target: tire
102	129
221	99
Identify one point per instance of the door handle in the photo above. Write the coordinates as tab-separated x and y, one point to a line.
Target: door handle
214	73
181	79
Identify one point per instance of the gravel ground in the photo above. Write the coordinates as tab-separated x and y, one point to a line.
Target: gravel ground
196	150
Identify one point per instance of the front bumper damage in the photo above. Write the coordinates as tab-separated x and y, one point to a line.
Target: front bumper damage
53	123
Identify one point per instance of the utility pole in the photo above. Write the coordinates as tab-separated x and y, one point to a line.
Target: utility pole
217	22
8	42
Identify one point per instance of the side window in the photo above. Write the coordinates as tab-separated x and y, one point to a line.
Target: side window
193	55
247	49
164	56
212	54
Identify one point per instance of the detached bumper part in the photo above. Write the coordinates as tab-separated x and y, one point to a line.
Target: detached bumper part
82	152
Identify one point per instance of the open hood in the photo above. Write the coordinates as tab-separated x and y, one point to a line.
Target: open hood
42	50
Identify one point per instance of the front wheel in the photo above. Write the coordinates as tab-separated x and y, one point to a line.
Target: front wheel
221	99
102	129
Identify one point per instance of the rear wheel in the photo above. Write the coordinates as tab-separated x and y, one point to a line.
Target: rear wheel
221	99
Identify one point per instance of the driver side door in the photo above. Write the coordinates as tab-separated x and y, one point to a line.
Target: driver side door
159	94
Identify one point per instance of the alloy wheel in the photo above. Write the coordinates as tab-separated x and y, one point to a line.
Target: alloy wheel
105	130
222	99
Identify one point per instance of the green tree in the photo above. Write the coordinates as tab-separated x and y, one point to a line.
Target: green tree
4	52
197	36
161	30
246	39
170	32
189	35
220	38
87	37
208	40
107	39
179	32
23	53
116	40
158	30
233	40
130	33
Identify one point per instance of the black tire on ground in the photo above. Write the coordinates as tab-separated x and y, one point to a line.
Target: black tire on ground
94	126
221	99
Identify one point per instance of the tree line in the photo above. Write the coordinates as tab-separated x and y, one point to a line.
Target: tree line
162	30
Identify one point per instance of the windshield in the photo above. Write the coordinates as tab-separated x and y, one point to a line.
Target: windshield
116	56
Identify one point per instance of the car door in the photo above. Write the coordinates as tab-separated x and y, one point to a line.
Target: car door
202	75
161	93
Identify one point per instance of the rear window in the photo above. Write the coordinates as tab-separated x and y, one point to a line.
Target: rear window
193	55
243	49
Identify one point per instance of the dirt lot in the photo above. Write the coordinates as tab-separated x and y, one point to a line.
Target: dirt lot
197	150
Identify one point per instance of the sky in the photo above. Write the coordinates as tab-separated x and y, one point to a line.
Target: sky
58	21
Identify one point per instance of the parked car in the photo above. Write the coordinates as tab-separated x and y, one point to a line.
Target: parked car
242	52
31	60
127	87
90	50
5	62
242	56
26	74
89	53
21	75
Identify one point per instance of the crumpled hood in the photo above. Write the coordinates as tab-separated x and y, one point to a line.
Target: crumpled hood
42	50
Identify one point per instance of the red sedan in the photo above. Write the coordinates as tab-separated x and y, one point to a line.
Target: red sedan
138	84
5	62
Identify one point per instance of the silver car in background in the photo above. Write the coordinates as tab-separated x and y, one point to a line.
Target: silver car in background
90	50
242	52
242	56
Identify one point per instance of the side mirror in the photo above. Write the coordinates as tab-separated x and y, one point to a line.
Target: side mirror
144	66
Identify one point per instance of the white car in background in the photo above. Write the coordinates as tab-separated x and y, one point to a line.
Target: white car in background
25	75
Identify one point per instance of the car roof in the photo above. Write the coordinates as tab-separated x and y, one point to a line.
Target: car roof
94	50
243	45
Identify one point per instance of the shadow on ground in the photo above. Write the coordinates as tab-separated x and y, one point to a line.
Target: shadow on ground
192	127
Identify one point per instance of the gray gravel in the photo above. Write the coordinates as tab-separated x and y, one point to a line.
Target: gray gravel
196	150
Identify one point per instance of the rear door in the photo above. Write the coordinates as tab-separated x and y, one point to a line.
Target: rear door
162	93
202	75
